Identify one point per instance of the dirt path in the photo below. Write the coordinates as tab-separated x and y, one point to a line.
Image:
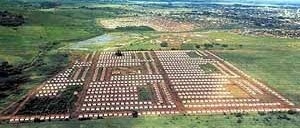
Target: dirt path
177	101
86	83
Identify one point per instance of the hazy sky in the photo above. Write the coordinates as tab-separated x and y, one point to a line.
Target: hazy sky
267	1
240	1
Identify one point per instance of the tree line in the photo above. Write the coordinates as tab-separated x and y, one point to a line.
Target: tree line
10	19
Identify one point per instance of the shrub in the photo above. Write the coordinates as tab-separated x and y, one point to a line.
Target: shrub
164	44
291	112
238	115
63	103
119	53
134	114
208	46
239	121
224	45
188	47
10	19
283	117
261	113
144	93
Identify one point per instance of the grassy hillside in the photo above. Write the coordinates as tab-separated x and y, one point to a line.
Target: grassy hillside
39	40
70	23
44	27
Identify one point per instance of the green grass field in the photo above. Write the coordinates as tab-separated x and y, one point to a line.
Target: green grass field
270	60
279	69
20	45
216	121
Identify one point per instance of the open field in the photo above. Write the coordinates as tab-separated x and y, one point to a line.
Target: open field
278	68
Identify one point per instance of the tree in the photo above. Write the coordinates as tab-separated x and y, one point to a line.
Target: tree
239	121
291	112
224	45
119	53
134	114
10	78
208	46
164	44
10	19
241	46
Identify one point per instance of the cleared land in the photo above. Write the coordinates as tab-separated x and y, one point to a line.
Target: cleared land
158	23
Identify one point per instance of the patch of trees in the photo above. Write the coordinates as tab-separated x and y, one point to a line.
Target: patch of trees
135	114
48	46
208	46
269	117
144	93
52	63
213	45
49	4
10	19
10	78
62	103
44	64
134	28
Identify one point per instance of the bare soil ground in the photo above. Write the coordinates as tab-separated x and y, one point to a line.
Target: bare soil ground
157	23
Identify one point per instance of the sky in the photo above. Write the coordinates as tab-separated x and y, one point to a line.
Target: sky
240	1
272	1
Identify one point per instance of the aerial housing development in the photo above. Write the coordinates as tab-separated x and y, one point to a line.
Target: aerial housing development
149	64
138	83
